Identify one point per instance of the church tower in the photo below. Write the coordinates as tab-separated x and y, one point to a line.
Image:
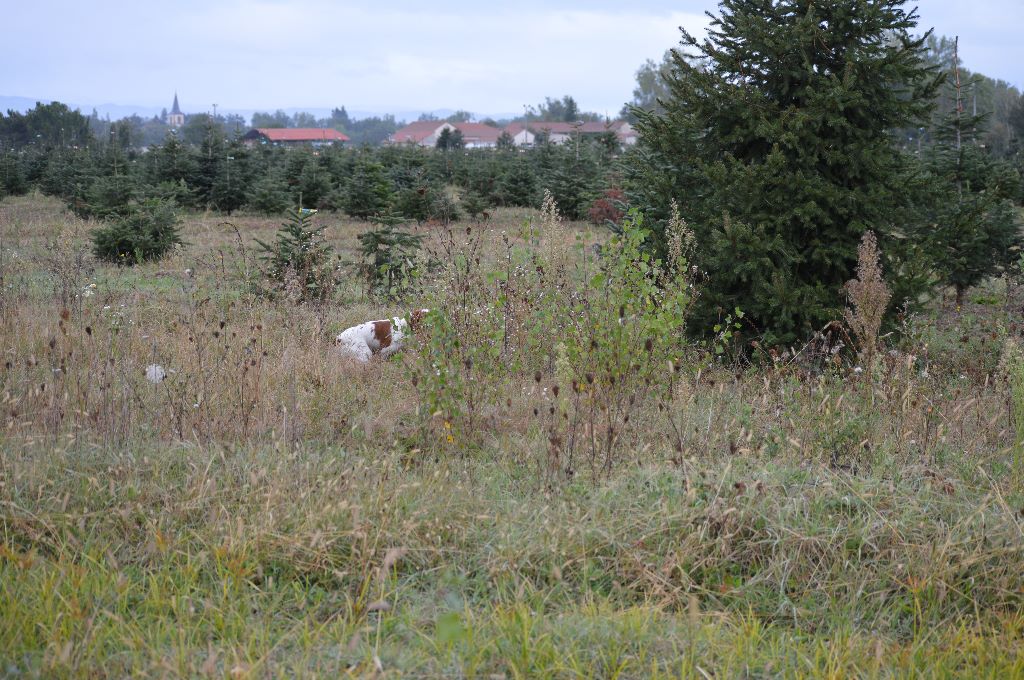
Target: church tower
175	118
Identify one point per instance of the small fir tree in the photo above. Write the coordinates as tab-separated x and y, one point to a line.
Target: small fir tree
368	191
300	262
142	232
389	255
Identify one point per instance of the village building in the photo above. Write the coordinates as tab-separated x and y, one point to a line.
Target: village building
479	135
294	136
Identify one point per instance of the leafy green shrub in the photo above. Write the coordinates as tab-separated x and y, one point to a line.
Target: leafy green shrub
607	329
300	262
627	328
146	231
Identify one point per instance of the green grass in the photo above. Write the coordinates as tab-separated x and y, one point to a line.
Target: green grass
183	560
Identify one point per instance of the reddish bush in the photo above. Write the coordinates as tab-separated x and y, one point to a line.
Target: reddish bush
607	207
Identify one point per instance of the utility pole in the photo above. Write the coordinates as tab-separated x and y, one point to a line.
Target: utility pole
959	109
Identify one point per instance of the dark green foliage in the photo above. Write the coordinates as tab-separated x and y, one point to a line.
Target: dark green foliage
300	262
565	110
67	173
312	186
373	130
174	162
970	207
778	152
210	159
450	139
53	126
389	255
206	170
106	196
368	191
143	231
651	85
573	181
474	204
269	197
506	142
278	119
426	199
483	174
12	179
228	191
518	185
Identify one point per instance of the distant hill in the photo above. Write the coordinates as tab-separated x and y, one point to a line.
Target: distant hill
116	111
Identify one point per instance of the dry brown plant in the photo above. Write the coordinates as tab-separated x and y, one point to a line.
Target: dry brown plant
870	296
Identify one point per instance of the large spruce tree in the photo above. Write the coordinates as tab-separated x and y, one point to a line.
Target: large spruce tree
774	141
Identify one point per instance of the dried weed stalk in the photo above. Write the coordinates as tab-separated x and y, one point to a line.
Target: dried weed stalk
870	296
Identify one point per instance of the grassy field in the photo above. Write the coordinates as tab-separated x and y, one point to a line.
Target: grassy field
270	510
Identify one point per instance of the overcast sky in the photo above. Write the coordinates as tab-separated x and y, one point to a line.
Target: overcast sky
486	57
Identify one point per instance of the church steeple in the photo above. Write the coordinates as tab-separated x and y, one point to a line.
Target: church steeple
175	118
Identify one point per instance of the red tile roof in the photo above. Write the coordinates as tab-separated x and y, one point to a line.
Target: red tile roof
558	127
416	132
302	134
472	132
421	129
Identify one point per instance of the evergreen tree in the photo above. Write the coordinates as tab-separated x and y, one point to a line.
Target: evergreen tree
518	185
269	196
971	208
228	191
300	261
572	181
450	139
210	161
12	179
506	142
775	142
143	231
389	255
172	162
368	191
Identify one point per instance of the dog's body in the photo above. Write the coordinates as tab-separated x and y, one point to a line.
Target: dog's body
384	337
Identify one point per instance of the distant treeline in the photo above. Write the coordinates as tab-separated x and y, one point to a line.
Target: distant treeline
55	124
222	173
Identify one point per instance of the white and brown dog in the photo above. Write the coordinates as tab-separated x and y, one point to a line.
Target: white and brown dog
383	337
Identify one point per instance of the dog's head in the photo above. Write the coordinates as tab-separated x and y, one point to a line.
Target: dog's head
416	319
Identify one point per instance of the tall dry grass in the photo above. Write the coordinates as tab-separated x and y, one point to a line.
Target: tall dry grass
269	510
